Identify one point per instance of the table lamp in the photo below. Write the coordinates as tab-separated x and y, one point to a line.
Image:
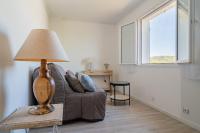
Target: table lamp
42	46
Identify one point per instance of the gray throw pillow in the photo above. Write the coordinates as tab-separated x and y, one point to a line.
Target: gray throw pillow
87	82
74	83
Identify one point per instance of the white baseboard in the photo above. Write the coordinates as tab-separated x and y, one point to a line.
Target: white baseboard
190	123
183	120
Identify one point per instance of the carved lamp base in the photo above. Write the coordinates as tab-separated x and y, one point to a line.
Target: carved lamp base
44	89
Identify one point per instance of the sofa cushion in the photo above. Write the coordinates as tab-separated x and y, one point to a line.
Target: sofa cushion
87	82
70	73
74	83
58	74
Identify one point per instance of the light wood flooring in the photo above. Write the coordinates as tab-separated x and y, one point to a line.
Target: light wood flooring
138	118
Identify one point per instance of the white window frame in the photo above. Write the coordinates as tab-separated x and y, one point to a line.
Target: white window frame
191	33
192	21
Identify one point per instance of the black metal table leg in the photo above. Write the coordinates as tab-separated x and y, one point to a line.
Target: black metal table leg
129	96
111	92
114	96
124	90
124	93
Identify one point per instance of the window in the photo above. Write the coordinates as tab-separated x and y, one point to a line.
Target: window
129	43
184	32
159	35
162	36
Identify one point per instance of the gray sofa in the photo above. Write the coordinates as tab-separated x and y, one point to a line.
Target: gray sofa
88	106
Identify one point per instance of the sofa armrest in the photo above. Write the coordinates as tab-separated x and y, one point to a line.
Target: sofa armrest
93	105
72	107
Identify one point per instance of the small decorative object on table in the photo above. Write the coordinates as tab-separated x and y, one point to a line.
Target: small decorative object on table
88	63
106	65
90	67
42	46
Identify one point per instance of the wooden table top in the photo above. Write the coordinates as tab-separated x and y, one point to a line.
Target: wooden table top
99	73
21	119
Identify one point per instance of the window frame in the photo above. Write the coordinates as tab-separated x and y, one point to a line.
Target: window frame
151	12
191	33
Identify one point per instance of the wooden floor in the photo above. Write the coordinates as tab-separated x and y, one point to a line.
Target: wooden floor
138	118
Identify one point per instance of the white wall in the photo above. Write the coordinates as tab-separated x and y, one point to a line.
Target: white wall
165	87
83	40
17	18
190	77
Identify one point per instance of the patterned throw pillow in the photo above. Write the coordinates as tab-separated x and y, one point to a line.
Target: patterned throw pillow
87	82
74	83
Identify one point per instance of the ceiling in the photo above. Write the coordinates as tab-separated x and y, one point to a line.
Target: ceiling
102	11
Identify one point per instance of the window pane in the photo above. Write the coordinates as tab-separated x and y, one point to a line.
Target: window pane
163	36
159	32
183	31
145	41
129	44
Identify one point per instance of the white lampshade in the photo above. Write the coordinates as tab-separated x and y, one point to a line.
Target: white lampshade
42	44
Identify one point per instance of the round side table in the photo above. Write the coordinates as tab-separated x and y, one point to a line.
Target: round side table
120	97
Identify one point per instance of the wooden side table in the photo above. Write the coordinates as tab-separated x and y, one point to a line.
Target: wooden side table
118	97
21	119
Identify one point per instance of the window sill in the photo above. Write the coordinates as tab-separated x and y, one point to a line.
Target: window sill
159	65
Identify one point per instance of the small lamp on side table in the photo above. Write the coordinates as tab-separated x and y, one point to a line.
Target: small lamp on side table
42	46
